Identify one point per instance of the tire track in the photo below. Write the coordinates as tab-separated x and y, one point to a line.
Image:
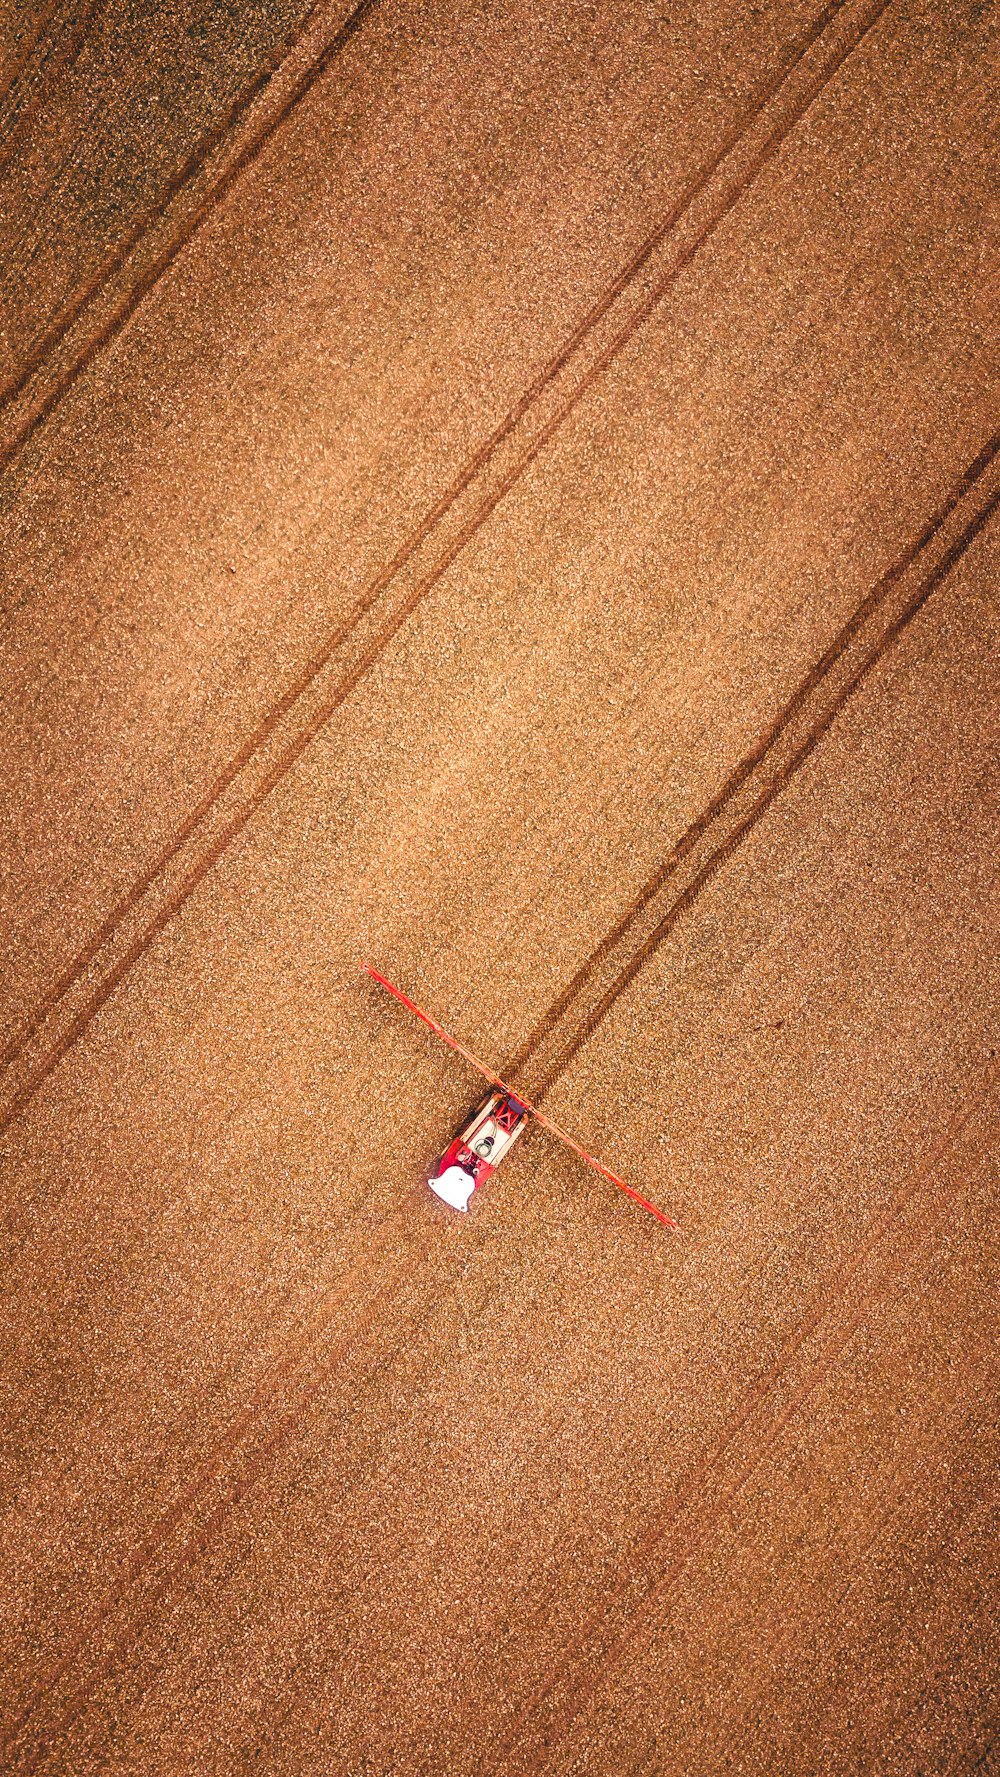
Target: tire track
147	219
198	1544
786	1642
19	258
241	160
217	1491
348	654
220	161
280	1388
706	867
969	1503
51	58
29	49
760	778
785	65
568	1690
185	1529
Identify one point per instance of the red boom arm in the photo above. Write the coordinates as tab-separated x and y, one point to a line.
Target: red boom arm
495	1080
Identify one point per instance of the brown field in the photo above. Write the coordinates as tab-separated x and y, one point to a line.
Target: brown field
510	493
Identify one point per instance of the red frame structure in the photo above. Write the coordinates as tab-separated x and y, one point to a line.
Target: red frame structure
540	1117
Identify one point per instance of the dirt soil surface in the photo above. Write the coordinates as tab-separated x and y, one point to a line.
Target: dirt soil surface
510	494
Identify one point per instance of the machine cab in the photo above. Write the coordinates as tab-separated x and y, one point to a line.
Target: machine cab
477	1150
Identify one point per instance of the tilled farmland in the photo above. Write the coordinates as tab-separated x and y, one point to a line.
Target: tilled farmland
508	495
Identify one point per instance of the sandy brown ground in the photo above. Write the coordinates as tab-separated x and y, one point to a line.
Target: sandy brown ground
528	516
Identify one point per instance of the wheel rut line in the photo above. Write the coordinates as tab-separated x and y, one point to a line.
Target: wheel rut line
20	62
234	1468
32	238
520	1733
638	261
308	683
636	961
166	251
54	59
815	677
61	326
31	51
255	1456
717	834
